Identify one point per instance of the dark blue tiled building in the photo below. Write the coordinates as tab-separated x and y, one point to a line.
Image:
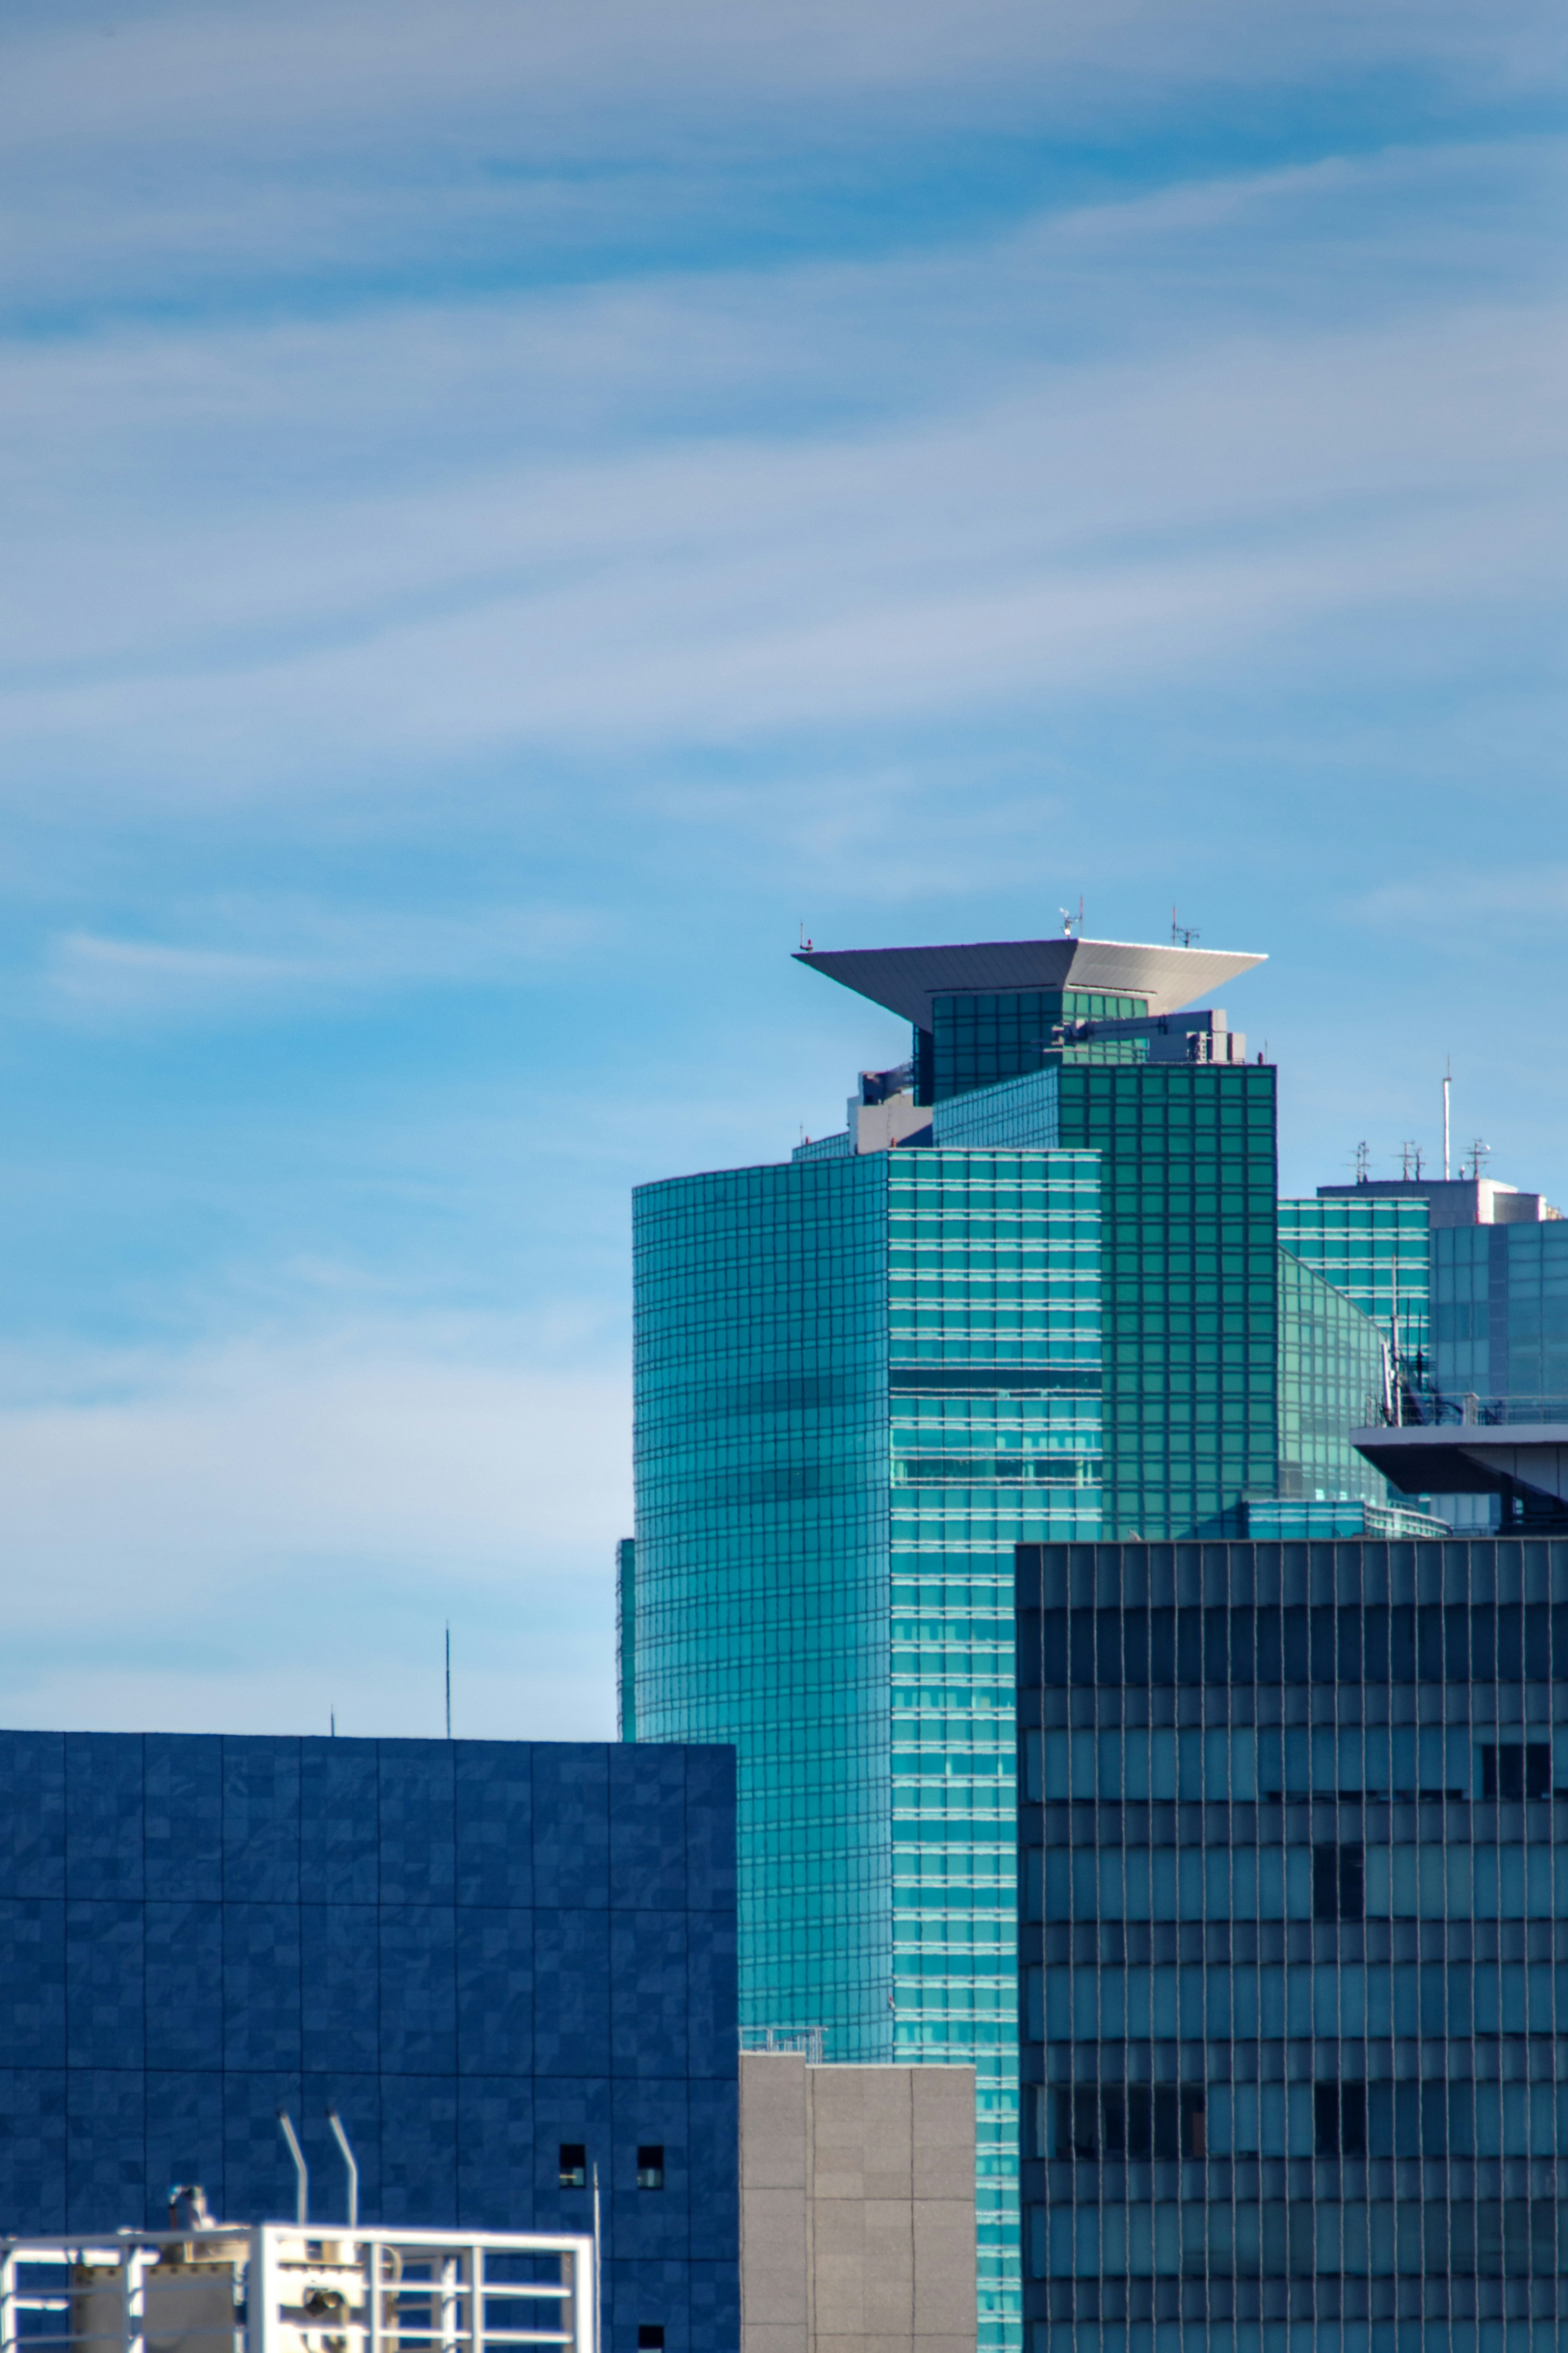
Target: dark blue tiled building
496	1961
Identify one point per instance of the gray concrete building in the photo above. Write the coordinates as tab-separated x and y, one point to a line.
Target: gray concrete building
857	2207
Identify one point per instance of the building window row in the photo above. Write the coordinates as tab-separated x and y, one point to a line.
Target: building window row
1485	2238
1323	1883
1325	1642
1272	2002
1244	1765
1113	2124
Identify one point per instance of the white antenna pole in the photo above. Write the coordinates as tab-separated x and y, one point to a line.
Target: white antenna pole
302	2171
598	2293
1447	1083
352	2169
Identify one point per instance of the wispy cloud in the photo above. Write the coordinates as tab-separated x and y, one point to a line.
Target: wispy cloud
291	1512
261	958
1100	525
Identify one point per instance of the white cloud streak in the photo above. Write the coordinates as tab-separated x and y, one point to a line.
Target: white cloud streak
267	957
273	1515
1101	526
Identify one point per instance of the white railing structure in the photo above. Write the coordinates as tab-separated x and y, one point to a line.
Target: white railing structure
275	2289
806	2039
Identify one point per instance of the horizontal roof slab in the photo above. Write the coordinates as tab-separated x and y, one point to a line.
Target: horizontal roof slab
905	979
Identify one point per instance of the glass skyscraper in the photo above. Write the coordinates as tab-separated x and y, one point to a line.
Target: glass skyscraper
861	1381
1293	1850
1054	1311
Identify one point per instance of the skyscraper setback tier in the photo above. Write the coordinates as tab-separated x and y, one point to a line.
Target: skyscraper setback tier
1031	1292
1294	1946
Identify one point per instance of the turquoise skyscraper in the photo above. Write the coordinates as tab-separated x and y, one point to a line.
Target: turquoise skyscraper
1033	1293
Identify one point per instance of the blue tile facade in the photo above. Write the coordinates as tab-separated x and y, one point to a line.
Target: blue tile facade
476	1951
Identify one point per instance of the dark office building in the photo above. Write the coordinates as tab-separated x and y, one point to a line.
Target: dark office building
505	1963
1294	1998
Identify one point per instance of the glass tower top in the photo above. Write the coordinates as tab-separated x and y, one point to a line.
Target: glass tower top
1032	1294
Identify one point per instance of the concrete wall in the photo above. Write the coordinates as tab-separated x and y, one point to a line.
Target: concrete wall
857	2207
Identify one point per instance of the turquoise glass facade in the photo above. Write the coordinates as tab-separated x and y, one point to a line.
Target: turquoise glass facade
1501	1316
994	1302
979	1037
1377	1249
1331	1382
761	1446
1190	1293
1190	1288
860	1383
863	1380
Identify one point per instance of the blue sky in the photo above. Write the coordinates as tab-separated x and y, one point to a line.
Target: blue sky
511	511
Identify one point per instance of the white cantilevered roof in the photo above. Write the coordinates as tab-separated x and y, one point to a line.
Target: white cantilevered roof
905	979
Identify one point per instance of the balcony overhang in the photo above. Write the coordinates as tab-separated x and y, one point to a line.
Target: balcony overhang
905	980
1470	1458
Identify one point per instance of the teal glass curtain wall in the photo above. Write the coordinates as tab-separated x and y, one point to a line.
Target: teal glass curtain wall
1500	1316
860	1384
1378	1251
1331	1382
1190	1288
761	1454
993	1316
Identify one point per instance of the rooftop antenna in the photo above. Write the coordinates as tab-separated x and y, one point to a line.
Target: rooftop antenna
1364	1164
1479	1152
598	2287
1447	1085
449	1679
342	2139
302	2171
1182	935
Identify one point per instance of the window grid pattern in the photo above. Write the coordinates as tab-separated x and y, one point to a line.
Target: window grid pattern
1189	1289
993	1313
1293	1943
981	1037
760	1451
1330	1379
859	1386
1378	1251
1500	1313
1017	1114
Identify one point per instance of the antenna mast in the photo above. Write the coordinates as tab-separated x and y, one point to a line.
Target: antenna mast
1448	1084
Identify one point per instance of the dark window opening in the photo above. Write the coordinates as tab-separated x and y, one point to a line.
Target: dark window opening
1338	1883
574	2165
1515	1769
1093	2121
650	2336
650	2167
1339	2116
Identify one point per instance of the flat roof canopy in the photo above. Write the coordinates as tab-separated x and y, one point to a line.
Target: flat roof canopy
1470	1458
905	979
